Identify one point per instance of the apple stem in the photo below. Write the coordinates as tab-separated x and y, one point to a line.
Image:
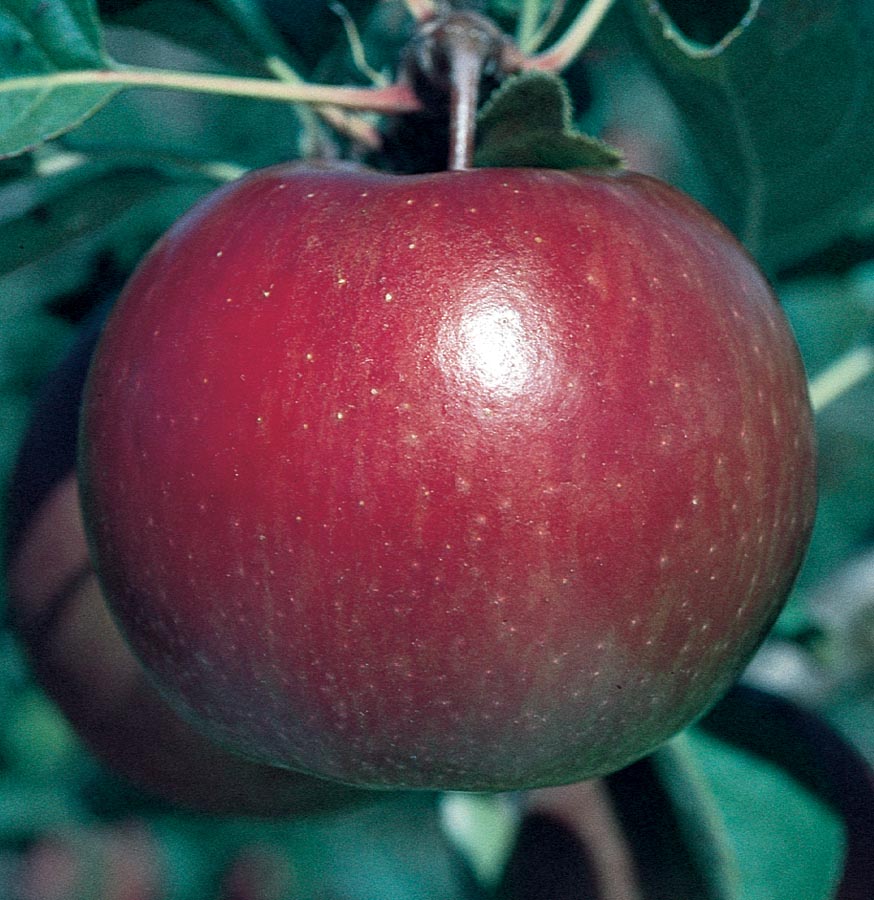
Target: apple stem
451	55
466	63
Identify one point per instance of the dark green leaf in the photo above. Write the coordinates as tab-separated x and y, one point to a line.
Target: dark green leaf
700	816
392	850
528	122
782	107
28	808
249	18
14	412
37	741
77	209
830	317
38	43
68	224
835	783
53	33
195	25
787	843
753	787
179	126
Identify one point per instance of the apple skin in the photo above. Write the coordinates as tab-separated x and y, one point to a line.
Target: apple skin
475	480
78	656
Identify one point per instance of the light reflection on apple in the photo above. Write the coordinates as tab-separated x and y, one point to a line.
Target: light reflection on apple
493	352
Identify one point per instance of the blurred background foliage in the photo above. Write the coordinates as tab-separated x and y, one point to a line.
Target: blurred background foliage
763	110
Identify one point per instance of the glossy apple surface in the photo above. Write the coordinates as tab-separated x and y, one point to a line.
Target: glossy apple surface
471	480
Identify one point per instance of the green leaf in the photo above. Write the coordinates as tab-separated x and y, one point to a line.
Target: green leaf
483	829
832	316
38	43
194	25
65	33
75	208
700	816
391	850
752	787
528	122
781	105
786	842
249	17
175	127
49	245
28	809
37	740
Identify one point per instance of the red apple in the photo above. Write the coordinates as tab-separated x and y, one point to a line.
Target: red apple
80	658
472	480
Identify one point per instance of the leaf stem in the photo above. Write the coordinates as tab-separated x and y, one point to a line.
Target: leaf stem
529	16
356	45
569	46
554	14
343	122
396	98
256	28
250	19
842	375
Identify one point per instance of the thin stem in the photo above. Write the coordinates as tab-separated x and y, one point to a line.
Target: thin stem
569	46
554	14
451	54
396	98
341	121
842	375
356	46
526	26
466	67
255	26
